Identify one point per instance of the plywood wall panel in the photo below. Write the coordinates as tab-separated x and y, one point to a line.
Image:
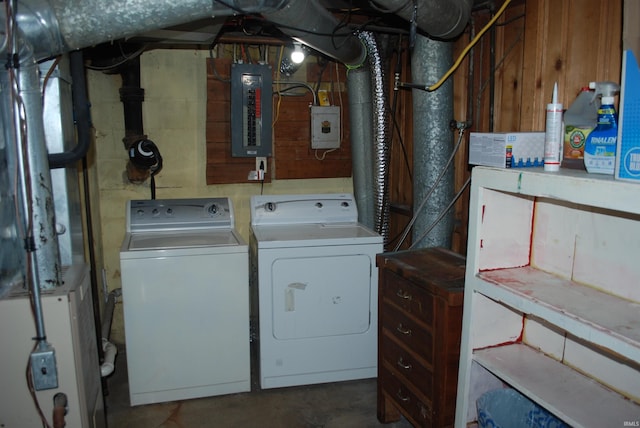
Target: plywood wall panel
292	153
571	42
537	42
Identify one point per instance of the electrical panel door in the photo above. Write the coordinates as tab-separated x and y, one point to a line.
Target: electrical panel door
251	110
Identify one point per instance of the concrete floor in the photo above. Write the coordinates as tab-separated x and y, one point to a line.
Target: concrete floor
332	405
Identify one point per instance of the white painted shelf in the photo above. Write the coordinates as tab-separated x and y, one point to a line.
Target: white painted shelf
552	294
583	311
576	399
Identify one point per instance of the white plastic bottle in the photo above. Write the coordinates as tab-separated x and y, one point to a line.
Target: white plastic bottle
580	120
553	134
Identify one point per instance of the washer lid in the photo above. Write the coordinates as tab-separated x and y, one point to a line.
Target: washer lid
185	239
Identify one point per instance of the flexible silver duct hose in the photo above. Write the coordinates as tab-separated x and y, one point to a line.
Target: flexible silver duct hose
441	19
432	142
361	133
381	135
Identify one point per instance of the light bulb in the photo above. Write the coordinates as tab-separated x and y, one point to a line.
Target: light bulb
297	55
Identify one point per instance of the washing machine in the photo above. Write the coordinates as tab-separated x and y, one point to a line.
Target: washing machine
314	290
185	288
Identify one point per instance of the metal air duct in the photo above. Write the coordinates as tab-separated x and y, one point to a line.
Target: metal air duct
361	121
33	168
58	26
310	23
432	144
440	19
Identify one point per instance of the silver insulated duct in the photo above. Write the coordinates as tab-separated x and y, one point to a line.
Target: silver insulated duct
381	135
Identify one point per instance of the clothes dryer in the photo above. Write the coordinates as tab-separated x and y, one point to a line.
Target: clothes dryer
314	285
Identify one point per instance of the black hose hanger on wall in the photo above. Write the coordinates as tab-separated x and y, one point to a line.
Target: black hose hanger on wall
144	155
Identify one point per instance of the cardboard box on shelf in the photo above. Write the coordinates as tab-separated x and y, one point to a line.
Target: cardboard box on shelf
506	149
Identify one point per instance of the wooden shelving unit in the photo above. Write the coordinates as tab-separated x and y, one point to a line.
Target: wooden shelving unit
552	297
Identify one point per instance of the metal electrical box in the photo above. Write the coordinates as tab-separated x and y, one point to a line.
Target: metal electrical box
251	112
325	127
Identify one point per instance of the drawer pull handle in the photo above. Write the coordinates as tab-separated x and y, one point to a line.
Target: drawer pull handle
404	398
403	330
403	365
425	412
403	294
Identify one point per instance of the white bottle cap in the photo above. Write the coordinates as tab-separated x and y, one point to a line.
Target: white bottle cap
607	101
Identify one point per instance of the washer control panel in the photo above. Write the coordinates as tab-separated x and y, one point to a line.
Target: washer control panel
175	214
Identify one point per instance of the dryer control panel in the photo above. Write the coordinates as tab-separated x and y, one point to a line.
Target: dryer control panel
303	209
177	214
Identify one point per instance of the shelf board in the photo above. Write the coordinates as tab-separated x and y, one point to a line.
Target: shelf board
571	396
575	186
587	313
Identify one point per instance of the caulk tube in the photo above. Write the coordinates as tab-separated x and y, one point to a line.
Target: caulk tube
553	133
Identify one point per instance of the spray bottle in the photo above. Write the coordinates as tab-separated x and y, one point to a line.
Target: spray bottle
600	146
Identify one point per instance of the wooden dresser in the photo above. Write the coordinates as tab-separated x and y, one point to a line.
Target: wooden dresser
419	327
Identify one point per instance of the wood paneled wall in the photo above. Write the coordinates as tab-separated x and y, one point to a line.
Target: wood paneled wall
537	43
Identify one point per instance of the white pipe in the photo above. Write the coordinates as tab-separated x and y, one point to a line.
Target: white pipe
110	351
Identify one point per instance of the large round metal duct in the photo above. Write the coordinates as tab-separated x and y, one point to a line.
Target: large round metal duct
440	19
58	26
361	133
318	24
432	143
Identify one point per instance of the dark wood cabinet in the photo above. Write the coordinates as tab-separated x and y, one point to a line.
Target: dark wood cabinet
419	327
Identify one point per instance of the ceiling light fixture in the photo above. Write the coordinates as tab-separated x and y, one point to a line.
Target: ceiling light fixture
297	55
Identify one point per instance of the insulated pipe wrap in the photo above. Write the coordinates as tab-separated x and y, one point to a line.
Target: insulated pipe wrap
433	142
381	135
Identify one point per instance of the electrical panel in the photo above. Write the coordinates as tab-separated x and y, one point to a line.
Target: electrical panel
325	127
251	112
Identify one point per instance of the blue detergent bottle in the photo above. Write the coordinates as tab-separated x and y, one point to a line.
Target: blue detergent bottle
600	146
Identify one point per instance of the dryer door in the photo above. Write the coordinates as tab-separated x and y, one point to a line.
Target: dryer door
321	296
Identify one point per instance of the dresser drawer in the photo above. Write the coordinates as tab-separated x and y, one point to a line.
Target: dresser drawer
412	407
398	360
413	335
410	298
